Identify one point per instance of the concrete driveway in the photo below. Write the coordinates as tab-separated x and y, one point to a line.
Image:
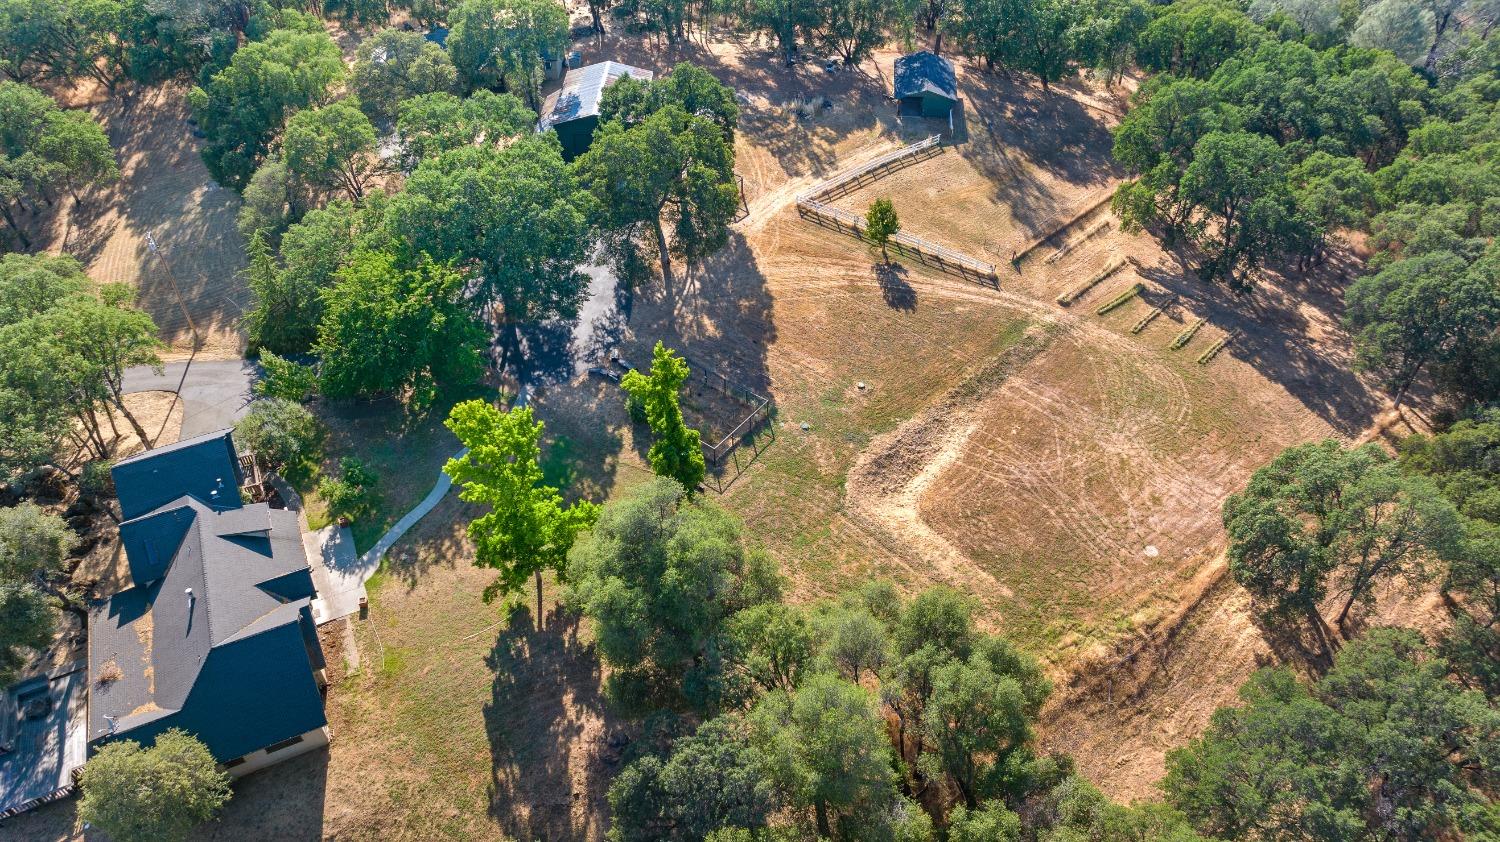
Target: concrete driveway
214	396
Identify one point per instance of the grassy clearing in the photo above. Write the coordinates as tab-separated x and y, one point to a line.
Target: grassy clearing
406	452
794	495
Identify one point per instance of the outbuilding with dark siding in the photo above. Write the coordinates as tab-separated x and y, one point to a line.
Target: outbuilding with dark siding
926	85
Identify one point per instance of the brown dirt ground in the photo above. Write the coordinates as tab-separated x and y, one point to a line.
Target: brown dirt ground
163	189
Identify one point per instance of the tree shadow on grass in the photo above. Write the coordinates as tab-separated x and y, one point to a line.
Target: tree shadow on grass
553	743
898	293
1023	130
1289	328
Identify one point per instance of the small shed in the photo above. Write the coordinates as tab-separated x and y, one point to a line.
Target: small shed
573	110
926	85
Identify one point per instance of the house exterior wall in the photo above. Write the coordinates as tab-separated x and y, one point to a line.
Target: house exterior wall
575	136
260	758
936	106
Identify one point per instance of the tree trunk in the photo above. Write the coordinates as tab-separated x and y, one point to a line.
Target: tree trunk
11	220
821	809
1320	629
135	425
666	257
540	622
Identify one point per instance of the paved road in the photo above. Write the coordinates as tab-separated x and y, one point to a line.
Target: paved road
215	394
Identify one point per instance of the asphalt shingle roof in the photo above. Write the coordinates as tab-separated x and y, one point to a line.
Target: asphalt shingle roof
925	73
161	657
205	466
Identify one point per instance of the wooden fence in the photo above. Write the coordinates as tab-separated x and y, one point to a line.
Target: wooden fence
850	180
761	410
811	206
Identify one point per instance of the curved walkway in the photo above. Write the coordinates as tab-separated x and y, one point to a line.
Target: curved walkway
347	583
372	556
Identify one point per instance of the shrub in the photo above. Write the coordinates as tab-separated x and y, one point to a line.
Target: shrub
285	379
157	793
352	493
283	435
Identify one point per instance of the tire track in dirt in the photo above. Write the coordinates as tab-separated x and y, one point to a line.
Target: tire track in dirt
888	479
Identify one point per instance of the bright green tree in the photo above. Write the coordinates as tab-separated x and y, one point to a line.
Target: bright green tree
288	293
881	224
389	328
163	792
285	379
31	284
243	106
676	450
527	528
331	148
687	86
393	66
660	575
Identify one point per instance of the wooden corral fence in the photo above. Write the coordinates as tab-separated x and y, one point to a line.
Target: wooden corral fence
719	455
850	180
811	206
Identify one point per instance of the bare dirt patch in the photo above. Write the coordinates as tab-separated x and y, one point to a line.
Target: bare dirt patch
165	190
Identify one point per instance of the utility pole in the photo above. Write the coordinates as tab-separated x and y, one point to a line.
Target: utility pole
152	247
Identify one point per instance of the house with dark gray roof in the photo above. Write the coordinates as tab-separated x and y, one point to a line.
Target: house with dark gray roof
214	633
573	110
926	85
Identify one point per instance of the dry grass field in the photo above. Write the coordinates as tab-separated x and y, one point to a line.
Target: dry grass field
164	190
1061	468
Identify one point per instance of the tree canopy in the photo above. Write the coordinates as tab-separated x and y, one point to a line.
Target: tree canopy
527	529
501	43
331	148
514	217
243	106
396	327
162	792
671	169
44	149
1324	520
660	575
1379	747
393	66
